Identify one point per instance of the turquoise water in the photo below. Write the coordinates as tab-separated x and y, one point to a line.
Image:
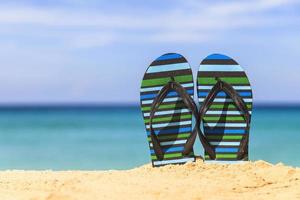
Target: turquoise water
114	137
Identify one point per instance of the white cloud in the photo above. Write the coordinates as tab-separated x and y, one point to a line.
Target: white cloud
91	40
244	7
189	21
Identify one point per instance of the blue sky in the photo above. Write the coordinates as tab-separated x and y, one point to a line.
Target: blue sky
84	51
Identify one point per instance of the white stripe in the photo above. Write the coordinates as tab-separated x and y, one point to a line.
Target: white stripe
225	124
164	162
225	143
170	143
150	89
216	112
221	100
225	162
208	87
167	112
220	68
170	99
169	67
169	124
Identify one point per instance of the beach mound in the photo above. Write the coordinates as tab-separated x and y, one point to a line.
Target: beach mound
197	181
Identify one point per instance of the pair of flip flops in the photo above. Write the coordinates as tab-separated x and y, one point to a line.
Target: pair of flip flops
224	113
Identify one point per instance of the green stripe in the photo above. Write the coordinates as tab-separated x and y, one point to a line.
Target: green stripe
220	156
171	155
163	81
225	137
249	106
230	80
168	106
165	137
224	118
173	118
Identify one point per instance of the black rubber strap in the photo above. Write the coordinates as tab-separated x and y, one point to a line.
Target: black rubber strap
241	105
190	104
238	101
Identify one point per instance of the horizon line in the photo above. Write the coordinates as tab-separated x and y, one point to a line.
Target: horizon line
127	104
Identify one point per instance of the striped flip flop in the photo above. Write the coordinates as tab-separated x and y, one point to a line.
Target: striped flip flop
225	98
165	113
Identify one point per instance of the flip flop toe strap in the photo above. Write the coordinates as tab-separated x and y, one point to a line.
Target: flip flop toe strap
240	104
189	103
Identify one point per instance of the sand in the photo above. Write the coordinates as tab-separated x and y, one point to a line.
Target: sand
251	180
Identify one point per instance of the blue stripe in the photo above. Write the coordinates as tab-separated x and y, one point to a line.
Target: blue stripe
169	56
170	94
217	56
226	150
226	131
171	131
170	67
169	150
223	94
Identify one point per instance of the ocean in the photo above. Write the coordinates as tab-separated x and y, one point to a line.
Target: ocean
113	137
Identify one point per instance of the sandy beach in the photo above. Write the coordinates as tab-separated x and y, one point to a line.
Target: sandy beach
250	180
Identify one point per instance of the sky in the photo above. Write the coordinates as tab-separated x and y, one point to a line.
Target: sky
88	51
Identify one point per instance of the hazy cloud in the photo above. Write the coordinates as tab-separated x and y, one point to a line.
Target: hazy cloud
194	21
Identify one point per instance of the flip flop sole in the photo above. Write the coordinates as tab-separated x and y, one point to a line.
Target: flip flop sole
223	124
173	121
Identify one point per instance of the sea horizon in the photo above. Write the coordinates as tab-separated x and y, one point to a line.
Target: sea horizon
120	105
